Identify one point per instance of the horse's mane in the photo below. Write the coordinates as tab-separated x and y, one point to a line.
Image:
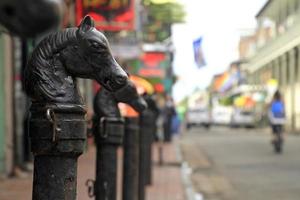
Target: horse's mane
41	65
55	42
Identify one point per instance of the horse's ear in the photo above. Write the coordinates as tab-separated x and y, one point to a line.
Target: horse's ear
86	24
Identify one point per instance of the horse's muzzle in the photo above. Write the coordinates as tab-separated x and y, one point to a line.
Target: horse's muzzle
129	95
114	84
138	104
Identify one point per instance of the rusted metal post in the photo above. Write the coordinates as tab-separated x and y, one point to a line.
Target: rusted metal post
57	123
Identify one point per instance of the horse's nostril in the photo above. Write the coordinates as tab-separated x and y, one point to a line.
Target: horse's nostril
121	79
106	81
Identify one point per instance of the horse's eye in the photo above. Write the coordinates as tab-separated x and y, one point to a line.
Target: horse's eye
96	45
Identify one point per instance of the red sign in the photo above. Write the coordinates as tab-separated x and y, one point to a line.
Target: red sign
149	72
109	15
153	59
153	65
159	87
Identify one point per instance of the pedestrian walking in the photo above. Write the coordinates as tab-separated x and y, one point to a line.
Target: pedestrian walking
168	113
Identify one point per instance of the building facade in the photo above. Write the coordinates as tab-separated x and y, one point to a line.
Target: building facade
277	53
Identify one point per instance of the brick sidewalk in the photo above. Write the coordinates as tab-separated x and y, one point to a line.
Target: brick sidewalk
167	183
166	178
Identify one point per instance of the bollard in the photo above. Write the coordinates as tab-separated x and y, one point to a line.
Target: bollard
144	150
131	142
153	113
109	131
108	139
56	150
131	159
147	132
57	122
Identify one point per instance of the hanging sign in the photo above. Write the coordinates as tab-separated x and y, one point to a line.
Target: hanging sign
109	15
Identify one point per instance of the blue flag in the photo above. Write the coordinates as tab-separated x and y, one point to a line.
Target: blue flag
198	53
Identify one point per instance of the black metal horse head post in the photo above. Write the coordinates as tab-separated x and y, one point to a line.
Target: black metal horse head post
109	132
75	52
57	123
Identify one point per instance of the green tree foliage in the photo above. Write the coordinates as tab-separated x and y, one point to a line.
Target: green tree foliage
160	17
166	13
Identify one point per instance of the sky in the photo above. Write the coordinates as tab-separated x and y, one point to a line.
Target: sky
220	23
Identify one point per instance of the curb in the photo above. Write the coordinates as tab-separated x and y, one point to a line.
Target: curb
186	172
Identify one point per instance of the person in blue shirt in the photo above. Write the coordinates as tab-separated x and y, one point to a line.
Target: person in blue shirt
277	118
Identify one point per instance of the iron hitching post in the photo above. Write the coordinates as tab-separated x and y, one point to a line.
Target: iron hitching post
57	122
109	132
131	159
146	138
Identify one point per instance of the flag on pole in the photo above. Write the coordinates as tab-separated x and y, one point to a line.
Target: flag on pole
198	53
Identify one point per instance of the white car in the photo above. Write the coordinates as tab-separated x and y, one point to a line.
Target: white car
221	115
198	117
243	118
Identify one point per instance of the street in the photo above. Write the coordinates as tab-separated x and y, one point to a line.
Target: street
239	164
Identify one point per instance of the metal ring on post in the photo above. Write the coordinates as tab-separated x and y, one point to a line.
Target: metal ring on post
91	187
106	122
102	125
49	114
52	118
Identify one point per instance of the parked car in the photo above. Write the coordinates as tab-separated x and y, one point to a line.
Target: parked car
243	118
198	117
221	115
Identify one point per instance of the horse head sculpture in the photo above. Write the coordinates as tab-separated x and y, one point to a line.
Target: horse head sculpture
27	18
106	103
130	96
75	52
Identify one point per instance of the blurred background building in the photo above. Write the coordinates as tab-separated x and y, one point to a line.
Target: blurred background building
268	60
272	52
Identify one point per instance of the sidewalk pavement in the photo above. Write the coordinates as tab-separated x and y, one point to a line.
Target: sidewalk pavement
167	184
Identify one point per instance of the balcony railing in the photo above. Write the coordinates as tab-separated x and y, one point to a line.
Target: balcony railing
275	48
